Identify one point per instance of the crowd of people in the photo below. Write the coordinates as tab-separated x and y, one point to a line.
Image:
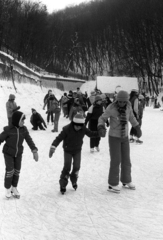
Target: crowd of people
98	111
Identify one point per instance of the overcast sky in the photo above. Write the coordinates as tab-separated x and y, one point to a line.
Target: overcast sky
53	5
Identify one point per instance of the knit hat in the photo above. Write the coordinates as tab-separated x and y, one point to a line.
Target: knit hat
33	110
122	96
78	119
12	97
17	117
97	98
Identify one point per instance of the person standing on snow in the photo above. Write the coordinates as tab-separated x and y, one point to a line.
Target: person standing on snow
14	136
72	136
11	107
120	113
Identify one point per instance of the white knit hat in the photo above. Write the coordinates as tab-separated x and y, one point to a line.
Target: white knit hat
78	119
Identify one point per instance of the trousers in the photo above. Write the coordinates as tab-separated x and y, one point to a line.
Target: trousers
120	164
65	174
13	166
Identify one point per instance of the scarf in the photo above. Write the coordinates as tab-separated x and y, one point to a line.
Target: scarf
123	119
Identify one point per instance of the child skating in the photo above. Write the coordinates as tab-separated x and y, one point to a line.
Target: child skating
14	136
72	136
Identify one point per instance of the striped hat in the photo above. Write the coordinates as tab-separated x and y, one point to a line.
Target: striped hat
78	119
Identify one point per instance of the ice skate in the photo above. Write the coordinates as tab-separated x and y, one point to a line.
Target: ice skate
8	193
15	192
63	190
92	150
132	140
97	149
129	185
138	141
75	186
115	189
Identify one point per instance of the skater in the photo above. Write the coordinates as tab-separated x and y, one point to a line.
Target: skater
135	107
37	121
11	107
13	149
72	136
94	112
120	113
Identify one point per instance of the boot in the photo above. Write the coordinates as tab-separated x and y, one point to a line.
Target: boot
15	192
115	189
129	185
8	193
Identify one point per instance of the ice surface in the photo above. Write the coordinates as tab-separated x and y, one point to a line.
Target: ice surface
91	212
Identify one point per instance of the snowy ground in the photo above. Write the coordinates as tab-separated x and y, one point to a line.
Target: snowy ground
90	213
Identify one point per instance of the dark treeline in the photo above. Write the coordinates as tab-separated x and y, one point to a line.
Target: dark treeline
118	37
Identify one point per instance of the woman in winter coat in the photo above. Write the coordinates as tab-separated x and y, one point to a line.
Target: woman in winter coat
94	112
120	113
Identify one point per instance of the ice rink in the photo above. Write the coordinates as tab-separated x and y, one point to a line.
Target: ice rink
91	212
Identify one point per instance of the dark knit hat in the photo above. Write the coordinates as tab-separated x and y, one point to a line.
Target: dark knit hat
97	98
33	110
122	96
78	119
12	97
17	117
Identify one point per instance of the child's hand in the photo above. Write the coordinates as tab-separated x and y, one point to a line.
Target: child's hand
35	155
51	151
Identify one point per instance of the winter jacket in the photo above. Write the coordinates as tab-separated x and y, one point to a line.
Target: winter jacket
72	139
14	138
135	103
11	106
94	112
36	118
115	125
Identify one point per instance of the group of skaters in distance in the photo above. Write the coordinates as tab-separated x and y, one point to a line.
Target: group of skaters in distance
97	111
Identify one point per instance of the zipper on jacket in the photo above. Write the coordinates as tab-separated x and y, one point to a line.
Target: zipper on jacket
17	142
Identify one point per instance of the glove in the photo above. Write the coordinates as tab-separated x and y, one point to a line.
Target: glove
35	155
138	131
101	130
51	151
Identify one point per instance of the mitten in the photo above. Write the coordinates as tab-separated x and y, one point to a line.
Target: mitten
35	155
138	131
101	130
51	151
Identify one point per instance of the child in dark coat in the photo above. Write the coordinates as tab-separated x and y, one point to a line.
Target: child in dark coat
14	136
37	121
72	136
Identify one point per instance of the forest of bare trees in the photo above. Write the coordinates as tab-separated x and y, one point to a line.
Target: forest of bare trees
115	37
